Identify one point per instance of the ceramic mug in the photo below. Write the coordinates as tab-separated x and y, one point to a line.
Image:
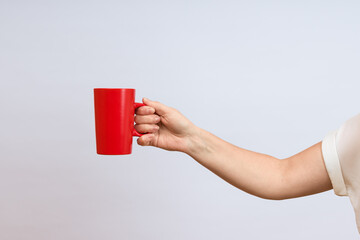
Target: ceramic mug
114	120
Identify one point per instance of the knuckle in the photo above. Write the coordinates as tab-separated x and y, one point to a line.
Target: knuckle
149	141
143	108
139	119
139	128
151	110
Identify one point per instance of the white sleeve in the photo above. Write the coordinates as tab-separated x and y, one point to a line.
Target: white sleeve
332	163
341	152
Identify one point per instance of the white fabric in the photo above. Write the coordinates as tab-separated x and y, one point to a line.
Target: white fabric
332	164
341	152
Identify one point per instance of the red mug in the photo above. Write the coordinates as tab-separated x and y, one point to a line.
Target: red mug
114	120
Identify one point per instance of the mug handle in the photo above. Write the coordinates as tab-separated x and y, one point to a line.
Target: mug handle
135	133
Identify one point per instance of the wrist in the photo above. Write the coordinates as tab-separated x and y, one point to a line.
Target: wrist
196	142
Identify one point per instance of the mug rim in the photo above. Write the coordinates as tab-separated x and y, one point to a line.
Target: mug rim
114	88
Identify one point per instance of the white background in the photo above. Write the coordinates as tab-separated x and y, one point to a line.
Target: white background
269	76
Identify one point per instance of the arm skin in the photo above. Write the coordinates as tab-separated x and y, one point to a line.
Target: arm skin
255	173
260	174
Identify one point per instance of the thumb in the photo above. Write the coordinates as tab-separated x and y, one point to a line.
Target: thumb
160	108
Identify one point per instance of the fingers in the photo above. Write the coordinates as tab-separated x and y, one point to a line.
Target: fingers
147	119
146	128
145	110
146	122
146	140
160	108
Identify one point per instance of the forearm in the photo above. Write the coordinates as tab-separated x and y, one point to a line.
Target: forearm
258	174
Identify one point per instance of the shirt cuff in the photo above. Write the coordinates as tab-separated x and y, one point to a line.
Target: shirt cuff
332	164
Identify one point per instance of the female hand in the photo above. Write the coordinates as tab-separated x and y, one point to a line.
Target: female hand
166	127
